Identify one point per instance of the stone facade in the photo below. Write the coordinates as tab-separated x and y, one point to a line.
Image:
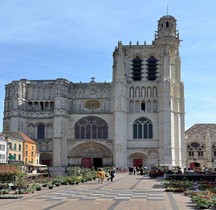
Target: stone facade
201	146
136	120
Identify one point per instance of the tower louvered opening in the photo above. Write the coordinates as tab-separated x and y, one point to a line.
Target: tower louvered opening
152	72
137	69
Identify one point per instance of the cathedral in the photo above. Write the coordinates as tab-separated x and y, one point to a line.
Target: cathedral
137	119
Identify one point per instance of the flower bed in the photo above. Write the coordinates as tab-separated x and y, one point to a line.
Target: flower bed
204	201
202	193
13	183
10	196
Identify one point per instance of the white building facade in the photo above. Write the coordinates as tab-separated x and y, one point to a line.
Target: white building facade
136	120
3	149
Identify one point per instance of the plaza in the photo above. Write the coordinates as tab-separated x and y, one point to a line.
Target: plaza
126	192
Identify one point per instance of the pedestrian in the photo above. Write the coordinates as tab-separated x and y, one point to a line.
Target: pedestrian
112	174
134	170
138	170
101	175
130	170
205	170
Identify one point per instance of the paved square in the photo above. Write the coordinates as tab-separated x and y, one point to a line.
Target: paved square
126	192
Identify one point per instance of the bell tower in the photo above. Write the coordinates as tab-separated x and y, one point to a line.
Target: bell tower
171	93
148	100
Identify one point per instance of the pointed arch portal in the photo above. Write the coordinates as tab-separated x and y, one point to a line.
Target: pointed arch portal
90	154
137	159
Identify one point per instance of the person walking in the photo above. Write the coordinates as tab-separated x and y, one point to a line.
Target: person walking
134	170
101	175
112	174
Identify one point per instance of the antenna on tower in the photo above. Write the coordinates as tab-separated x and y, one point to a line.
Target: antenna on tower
167	9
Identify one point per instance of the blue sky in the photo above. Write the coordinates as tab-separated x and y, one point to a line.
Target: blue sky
75	39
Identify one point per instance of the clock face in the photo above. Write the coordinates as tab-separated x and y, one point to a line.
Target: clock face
92	104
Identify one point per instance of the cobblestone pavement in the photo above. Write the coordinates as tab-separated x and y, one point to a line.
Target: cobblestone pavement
126	192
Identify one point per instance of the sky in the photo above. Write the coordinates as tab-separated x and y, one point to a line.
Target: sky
75	39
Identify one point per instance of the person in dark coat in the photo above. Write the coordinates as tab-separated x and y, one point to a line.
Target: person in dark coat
112	174
130	170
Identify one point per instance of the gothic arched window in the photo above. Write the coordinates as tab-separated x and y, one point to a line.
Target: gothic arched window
142	128
143	106
91	128
30	106
195	149
41	131
167	24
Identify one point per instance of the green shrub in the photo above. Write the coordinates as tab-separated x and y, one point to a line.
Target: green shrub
8	173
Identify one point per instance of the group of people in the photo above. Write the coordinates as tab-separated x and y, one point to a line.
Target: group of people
199	170
137	170
101	175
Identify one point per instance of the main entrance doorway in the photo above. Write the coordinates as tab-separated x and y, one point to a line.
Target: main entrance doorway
92	162
97	163
137	163
86	162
